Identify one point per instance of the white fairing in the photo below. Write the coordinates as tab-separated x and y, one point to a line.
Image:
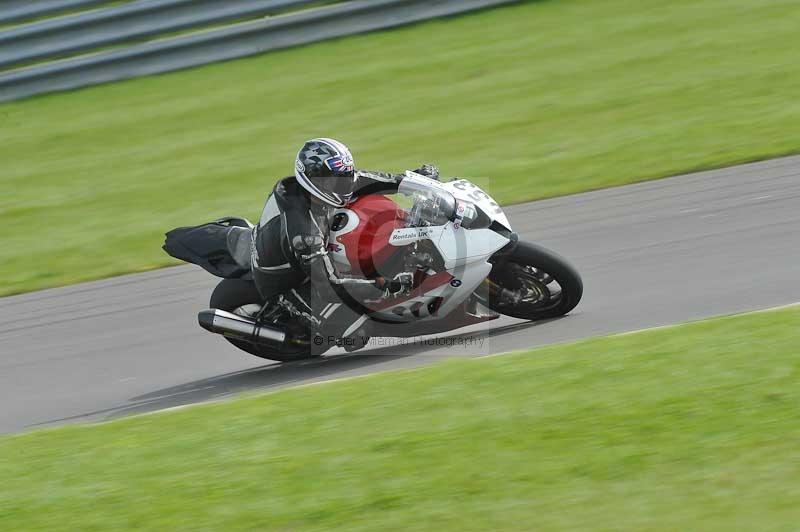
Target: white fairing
462	246
336	248
464	190
467	279
465	251
408	235
457	245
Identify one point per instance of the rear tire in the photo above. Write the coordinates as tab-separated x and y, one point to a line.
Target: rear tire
232	294
511	272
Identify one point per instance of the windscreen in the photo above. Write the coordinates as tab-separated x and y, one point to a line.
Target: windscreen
430	205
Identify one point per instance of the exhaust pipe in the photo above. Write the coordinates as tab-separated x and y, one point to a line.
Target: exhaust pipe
233	325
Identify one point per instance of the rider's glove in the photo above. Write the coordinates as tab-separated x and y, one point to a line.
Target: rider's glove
400	284
428	170
308	246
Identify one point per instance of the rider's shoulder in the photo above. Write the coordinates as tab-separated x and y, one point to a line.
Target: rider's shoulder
288	193
287	186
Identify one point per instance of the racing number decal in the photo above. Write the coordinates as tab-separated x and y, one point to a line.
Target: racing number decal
477	195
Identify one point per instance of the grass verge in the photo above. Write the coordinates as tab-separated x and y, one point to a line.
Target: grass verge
538	99
692	427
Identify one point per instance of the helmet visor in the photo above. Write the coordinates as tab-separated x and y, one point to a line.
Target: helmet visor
342	174
338	184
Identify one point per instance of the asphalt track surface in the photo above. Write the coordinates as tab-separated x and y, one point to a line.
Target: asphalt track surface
650	254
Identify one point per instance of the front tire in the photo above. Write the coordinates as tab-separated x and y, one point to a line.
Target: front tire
235	295
533	283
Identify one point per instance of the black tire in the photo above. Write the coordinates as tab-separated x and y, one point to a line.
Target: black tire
506	274
231	294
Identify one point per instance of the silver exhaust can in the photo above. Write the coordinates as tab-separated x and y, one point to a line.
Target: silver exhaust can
235	326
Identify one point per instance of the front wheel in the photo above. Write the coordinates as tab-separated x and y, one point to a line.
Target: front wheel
532	283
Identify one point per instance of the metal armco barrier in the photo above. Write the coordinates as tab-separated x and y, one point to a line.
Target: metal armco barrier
18	10
136	20
238	40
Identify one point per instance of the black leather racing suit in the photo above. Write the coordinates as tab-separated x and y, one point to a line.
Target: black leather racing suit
289	252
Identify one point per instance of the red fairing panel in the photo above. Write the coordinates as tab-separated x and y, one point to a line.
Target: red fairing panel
367	246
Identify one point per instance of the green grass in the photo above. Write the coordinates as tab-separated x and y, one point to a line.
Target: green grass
687	428
534	100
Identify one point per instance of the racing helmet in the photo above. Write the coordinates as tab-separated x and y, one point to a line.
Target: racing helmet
325	168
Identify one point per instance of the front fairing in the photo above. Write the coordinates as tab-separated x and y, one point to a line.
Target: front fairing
460	189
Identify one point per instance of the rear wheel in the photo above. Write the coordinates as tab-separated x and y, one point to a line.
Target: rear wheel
533	283
242	298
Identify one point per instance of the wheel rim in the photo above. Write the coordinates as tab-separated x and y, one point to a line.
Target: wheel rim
525	288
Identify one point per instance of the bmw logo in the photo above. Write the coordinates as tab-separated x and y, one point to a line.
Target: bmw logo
455	283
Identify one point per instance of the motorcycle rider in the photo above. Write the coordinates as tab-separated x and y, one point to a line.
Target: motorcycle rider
290	243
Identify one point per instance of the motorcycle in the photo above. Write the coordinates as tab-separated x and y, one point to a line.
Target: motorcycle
448	246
